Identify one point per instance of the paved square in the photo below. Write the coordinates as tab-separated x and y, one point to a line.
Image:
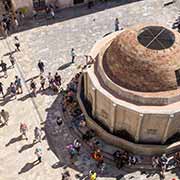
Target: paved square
52	43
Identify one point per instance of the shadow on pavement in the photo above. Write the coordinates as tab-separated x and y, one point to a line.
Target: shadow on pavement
2	125
59	165
28	166
35	77
47	92
57	141
70	13
26	146
58	137
14	140
25	97
64	66
9	53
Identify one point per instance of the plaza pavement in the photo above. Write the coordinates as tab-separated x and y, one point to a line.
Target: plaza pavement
52	44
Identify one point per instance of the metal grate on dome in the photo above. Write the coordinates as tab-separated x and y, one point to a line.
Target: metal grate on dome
156	37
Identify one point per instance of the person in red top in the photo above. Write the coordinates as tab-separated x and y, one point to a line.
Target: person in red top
23	130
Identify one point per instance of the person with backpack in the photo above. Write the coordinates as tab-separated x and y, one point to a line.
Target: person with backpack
18	85
38	153
37	135
23	130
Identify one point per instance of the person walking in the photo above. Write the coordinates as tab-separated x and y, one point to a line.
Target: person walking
42	82
37	135
66	176
93	175
41	66
116	24
72	152
57	79
13	89
52	13
4	68
33	87
12	60
1	89
38	152
16	24
35	14
23	130
18	85
77	145
73	54
5	115
50	79
17	43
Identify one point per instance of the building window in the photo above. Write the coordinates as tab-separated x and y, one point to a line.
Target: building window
78	1
177	72
39	4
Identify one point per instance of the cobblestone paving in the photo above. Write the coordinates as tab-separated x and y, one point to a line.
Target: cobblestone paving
52	44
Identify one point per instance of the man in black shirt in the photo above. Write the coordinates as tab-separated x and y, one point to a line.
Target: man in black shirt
1	89
4	68
41	66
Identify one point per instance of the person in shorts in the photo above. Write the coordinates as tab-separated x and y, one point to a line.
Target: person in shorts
17	43
23	130
18	85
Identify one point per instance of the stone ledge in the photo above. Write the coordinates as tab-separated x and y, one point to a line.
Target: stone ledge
140	149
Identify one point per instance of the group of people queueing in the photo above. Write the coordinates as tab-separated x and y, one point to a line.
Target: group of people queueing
54	82
13	89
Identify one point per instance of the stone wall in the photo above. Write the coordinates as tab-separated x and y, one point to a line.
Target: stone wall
146	124
119	142
29	3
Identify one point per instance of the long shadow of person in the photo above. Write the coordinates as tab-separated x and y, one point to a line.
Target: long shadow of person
27	146
35	77
9	53
64	66
13	140
25	97
2	125
28	166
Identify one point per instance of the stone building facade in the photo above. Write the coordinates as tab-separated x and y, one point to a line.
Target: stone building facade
39	4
